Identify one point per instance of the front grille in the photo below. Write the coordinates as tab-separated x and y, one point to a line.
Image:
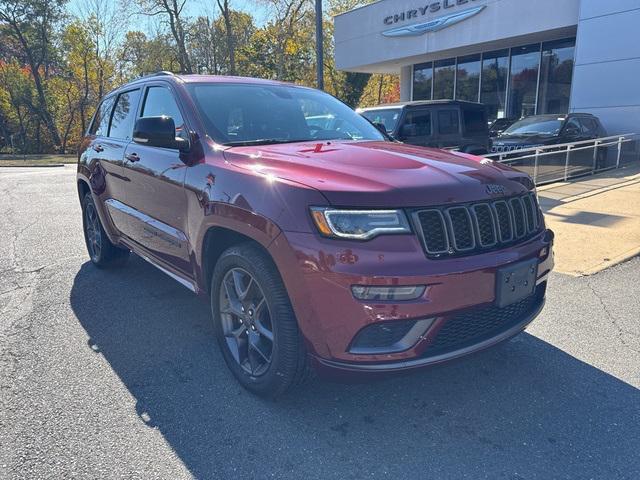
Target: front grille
479	324
470	228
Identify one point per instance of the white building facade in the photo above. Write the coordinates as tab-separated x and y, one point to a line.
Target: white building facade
517	57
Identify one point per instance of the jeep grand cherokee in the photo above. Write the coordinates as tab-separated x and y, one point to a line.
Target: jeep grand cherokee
319	246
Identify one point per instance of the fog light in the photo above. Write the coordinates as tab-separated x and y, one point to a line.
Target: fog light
399	294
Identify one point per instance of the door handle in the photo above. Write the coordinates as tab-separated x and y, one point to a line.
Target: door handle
98	148
132	157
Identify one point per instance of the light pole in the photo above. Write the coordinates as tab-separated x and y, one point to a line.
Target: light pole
319	45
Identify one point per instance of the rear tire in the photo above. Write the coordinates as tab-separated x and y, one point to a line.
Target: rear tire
254	322
102	252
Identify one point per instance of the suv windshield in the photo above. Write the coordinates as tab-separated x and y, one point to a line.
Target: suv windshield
535	126
248	114
387	117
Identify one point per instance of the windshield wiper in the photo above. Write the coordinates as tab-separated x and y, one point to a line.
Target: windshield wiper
260	141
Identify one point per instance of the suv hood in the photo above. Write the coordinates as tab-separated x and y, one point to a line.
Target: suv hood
380	174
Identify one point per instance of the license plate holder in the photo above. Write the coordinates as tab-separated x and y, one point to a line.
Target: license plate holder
516	282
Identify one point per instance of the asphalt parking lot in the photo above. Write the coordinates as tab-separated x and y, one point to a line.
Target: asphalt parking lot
114	374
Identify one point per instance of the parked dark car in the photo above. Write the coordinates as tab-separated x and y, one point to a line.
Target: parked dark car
318	244
450	124
500	125
543	130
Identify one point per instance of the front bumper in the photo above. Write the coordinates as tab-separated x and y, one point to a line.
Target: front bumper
319	273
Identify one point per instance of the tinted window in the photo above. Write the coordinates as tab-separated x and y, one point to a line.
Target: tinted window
589	126
572	127
417	124
448	122
387	117
474	121
159	101
100	124
124	114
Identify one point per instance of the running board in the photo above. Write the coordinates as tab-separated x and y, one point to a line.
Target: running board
182	281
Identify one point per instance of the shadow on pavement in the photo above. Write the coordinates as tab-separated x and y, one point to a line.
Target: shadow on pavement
522	410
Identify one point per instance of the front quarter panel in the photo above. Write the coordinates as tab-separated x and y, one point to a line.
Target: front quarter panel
258	206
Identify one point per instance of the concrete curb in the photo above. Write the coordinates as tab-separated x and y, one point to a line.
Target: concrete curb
50	165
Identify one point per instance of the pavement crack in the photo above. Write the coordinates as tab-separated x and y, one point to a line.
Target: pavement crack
621	331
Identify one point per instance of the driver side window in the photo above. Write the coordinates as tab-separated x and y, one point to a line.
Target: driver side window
159	101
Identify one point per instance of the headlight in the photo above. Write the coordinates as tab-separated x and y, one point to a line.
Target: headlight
359	224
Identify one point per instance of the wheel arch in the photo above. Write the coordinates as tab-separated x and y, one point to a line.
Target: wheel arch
216	240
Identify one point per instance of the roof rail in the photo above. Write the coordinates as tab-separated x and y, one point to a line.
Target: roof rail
155	74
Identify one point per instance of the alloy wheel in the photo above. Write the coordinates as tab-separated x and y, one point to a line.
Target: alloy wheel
246	321
94	235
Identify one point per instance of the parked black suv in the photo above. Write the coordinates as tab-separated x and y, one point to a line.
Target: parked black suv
542	130
450	124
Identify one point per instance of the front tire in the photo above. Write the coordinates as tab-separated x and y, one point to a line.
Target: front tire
102	252
254	322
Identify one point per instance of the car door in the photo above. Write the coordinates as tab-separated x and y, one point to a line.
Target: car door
155	200
448	127
416	128
107	154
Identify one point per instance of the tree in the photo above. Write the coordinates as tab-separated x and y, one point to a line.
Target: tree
31	24
171	10
223	5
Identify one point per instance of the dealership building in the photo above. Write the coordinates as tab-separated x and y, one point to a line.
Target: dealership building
517	57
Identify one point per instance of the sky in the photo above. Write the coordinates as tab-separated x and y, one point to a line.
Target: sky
195	8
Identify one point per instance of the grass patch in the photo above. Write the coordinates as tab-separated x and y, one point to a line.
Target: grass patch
35	160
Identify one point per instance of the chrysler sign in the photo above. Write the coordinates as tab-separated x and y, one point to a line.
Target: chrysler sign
429	24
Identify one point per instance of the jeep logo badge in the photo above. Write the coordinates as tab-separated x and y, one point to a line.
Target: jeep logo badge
493	189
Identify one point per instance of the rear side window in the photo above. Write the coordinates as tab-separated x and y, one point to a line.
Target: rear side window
448	122
474	121
417	124
124	114
159	101
100	125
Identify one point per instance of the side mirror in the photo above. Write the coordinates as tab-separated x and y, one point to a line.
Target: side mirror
158	132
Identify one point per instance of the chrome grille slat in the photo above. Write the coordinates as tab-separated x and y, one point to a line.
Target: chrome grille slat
463	229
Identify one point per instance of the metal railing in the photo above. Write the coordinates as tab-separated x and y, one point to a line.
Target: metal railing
552	163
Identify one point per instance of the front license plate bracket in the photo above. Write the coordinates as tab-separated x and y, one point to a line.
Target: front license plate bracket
516	282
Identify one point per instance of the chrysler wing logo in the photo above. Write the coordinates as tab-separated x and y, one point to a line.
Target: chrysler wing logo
493	189
433	25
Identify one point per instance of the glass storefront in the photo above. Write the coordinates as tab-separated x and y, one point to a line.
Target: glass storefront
556	72
444	79
468	78
513	82
495	71
423	81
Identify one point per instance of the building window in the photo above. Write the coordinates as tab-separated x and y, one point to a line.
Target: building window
556	72
468	78
495	69
523	81
422	81
444	79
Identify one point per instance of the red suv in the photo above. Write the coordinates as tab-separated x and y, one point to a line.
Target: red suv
321	246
